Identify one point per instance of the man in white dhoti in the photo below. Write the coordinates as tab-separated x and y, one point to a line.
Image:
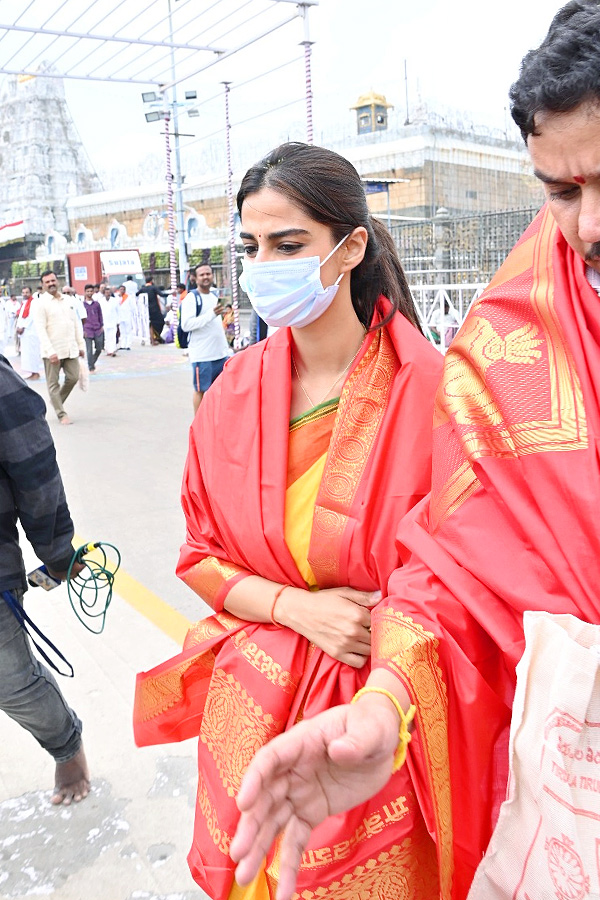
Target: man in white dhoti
125	317
31	355
110	316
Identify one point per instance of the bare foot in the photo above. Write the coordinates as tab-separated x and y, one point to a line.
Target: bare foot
72	780
65	420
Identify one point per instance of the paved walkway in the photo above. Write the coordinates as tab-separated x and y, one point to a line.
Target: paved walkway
121	461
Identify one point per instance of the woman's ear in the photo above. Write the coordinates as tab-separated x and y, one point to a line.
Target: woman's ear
354	247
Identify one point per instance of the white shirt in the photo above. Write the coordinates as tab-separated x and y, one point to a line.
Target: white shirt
594	278
58	326
110	311
207	339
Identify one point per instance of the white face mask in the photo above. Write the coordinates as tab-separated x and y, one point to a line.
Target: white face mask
289	291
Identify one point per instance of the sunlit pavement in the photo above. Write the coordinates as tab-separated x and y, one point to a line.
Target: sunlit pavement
121	461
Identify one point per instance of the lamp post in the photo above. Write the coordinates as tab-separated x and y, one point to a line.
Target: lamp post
160	109
183	263
156	115
231	208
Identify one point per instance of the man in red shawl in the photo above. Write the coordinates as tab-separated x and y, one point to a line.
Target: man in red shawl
511	523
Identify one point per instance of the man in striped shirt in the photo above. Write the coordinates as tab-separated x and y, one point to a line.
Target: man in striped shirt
31	491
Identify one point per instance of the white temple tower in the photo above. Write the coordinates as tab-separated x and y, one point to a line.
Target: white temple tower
42	160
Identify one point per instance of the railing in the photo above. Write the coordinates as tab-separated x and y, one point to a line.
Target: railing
442	309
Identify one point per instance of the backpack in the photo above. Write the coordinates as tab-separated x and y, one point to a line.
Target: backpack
183	337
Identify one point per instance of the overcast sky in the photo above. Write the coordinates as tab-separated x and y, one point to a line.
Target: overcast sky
460	55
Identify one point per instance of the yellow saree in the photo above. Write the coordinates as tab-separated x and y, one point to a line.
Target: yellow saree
310	436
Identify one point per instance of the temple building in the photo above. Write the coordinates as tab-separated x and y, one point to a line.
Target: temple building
51	201
42	163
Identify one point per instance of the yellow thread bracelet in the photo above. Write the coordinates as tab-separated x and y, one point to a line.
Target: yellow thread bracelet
405	720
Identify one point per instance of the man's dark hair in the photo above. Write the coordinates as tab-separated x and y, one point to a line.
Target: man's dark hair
203	266
92	286
149	279
181	286
46	273
564	71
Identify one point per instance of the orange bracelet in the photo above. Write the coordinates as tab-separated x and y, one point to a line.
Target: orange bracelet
278	594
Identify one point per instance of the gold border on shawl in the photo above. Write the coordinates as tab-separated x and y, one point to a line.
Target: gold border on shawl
234	728
155	694
210	816
158	693
263	663
565	430
360	413
412	652
208	576
393	874
457	489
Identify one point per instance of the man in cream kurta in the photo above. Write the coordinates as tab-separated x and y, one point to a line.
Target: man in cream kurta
61	340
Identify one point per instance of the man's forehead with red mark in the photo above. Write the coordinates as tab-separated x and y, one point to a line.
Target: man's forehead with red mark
579	179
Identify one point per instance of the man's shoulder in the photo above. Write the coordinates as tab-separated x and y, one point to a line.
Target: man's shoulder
18	402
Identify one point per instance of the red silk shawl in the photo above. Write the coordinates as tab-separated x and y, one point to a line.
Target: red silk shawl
511	525
237	684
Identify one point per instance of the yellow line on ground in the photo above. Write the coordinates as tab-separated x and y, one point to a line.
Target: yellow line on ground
168	620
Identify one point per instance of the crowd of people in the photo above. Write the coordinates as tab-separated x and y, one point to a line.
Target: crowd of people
369	575
53	328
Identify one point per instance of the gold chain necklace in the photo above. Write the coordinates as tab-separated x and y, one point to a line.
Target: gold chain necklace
329	390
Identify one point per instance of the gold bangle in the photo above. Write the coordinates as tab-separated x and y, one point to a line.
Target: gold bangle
278	594
405	719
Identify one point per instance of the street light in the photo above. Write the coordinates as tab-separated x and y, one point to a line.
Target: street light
155	116
183	264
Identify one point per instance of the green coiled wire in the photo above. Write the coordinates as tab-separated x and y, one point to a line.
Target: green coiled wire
90	591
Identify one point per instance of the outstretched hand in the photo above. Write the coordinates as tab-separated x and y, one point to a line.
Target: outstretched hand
322	766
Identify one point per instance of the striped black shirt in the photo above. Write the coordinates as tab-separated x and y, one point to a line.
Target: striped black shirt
31	488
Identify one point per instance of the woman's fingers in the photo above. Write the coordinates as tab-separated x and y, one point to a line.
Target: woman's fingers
368	599
356	660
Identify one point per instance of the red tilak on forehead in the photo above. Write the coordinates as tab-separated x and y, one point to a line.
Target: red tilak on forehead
579	179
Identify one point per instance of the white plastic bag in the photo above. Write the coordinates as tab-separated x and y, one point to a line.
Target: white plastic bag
546	844
84	374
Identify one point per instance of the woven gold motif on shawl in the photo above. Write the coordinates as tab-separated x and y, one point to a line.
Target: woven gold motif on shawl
509	386
234	728
405	871
360	414
209	575
413	653
265	664
157	694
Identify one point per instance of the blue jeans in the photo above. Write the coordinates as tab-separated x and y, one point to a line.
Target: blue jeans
30	695
94	347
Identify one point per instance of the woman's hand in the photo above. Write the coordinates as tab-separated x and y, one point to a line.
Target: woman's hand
322	766
338	620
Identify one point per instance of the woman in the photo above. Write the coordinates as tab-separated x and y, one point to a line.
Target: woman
324	433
